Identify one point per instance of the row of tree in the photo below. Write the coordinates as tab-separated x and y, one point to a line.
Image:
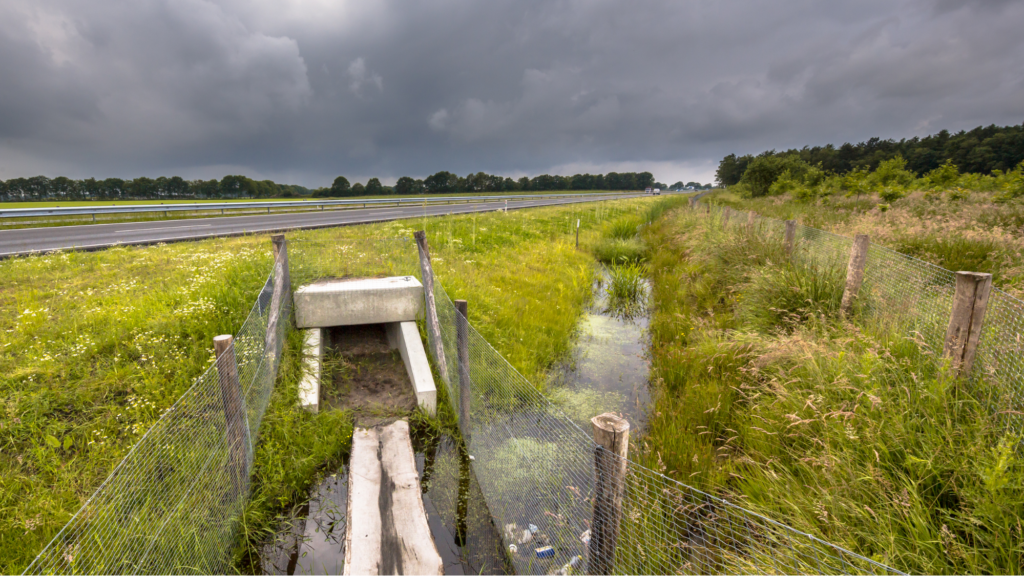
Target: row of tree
142	188
445	182
176	188
979	151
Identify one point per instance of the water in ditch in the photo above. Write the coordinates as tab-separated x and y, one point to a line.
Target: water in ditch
313	538
608	368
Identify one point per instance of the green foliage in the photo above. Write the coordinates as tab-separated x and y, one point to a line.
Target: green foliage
627	287
892	173
623	228
892	194
764	170
944	176
843	429
620	251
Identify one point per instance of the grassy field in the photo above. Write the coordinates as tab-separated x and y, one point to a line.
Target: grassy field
957	229
95	346
841	428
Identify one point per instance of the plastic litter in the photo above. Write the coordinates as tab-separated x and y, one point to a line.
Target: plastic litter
585	538
513	548
575	562
525	537
545	552
511	531
471	457
533	528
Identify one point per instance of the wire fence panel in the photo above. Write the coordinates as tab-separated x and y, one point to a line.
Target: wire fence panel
999	367
536	471
172	504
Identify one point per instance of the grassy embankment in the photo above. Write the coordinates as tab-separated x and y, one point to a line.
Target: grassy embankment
838	427
97	345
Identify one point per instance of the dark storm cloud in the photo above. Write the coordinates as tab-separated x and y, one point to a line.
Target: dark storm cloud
300	91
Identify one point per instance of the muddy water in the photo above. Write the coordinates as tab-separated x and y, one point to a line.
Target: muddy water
608	368
313	541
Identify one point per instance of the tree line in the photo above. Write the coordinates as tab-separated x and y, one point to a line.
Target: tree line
39	188
143	188
445	182
978	151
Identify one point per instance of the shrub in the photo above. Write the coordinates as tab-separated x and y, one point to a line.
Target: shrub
944	176
892	172
891	194
792	294
623	228
763	171
627	288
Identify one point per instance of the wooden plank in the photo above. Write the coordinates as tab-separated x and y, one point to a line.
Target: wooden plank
406	544
363	529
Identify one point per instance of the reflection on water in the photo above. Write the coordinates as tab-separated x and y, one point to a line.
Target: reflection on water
313	538
608	369
313	541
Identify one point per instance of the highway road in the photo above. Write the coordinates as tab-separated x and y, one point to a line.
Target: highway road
96	236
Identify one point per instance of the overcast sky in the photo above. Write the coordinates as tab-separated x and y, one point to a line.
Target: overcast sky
300	91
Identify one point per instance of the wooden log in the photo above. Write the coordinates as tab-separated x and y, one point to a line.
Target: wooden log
235	429
433	326
462	339
970	301
855	272
611	433
790	237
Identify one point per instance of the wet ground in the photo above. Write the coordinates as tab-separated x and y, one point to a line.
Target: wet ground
608	369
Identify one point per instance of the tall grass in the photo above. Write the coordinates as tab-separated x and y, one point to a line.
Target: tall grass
849	431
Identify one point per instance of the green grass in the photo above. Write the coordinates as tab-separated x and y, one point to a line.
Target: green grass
96	345
841	428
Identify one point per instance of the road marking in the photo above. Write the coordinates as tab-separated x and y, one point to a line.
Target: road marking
164	228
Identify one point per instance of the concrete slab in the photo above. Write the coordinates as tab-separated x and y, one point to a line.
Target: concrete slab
406	337
312	356
360	301
387	530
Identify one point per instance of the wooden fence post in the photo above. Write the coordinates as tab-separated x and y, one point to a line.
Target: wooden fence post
693	201
577	233
433	326
750	220
965	322
282	287
611	433
855	272
236	430
726	212
462	338
790	236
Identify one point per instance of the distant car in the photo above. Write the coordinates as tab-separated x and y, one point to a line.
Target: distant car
647	190
657	191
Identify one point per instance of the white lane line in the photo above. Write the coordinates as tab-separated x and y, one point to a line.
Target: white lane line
164	228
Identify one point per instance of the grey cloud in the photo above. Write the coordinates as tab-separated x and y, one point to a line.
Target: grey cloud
302	92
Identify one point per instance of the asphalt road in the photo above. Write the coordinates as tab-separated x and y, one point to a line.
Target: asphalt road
96	236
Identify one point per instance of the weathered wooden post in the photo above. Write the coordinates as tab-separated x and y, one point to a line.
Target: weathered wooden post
790	236
279	298
855	272
965	322
750	220
693	202
726	212
577	233
236	431
433	326
611	433
462	338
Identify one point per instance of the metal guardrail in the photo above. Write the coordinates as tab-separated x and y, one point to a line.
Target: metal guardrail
222	206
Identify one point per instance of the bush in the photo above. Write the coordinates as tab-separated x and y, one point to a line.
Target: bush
944	176
892	172
891	194
763	171
791	295
623	228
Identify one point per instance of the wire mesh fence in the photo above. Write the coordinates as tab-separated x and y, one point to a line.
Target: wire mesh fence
913	298
536	469
172	504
